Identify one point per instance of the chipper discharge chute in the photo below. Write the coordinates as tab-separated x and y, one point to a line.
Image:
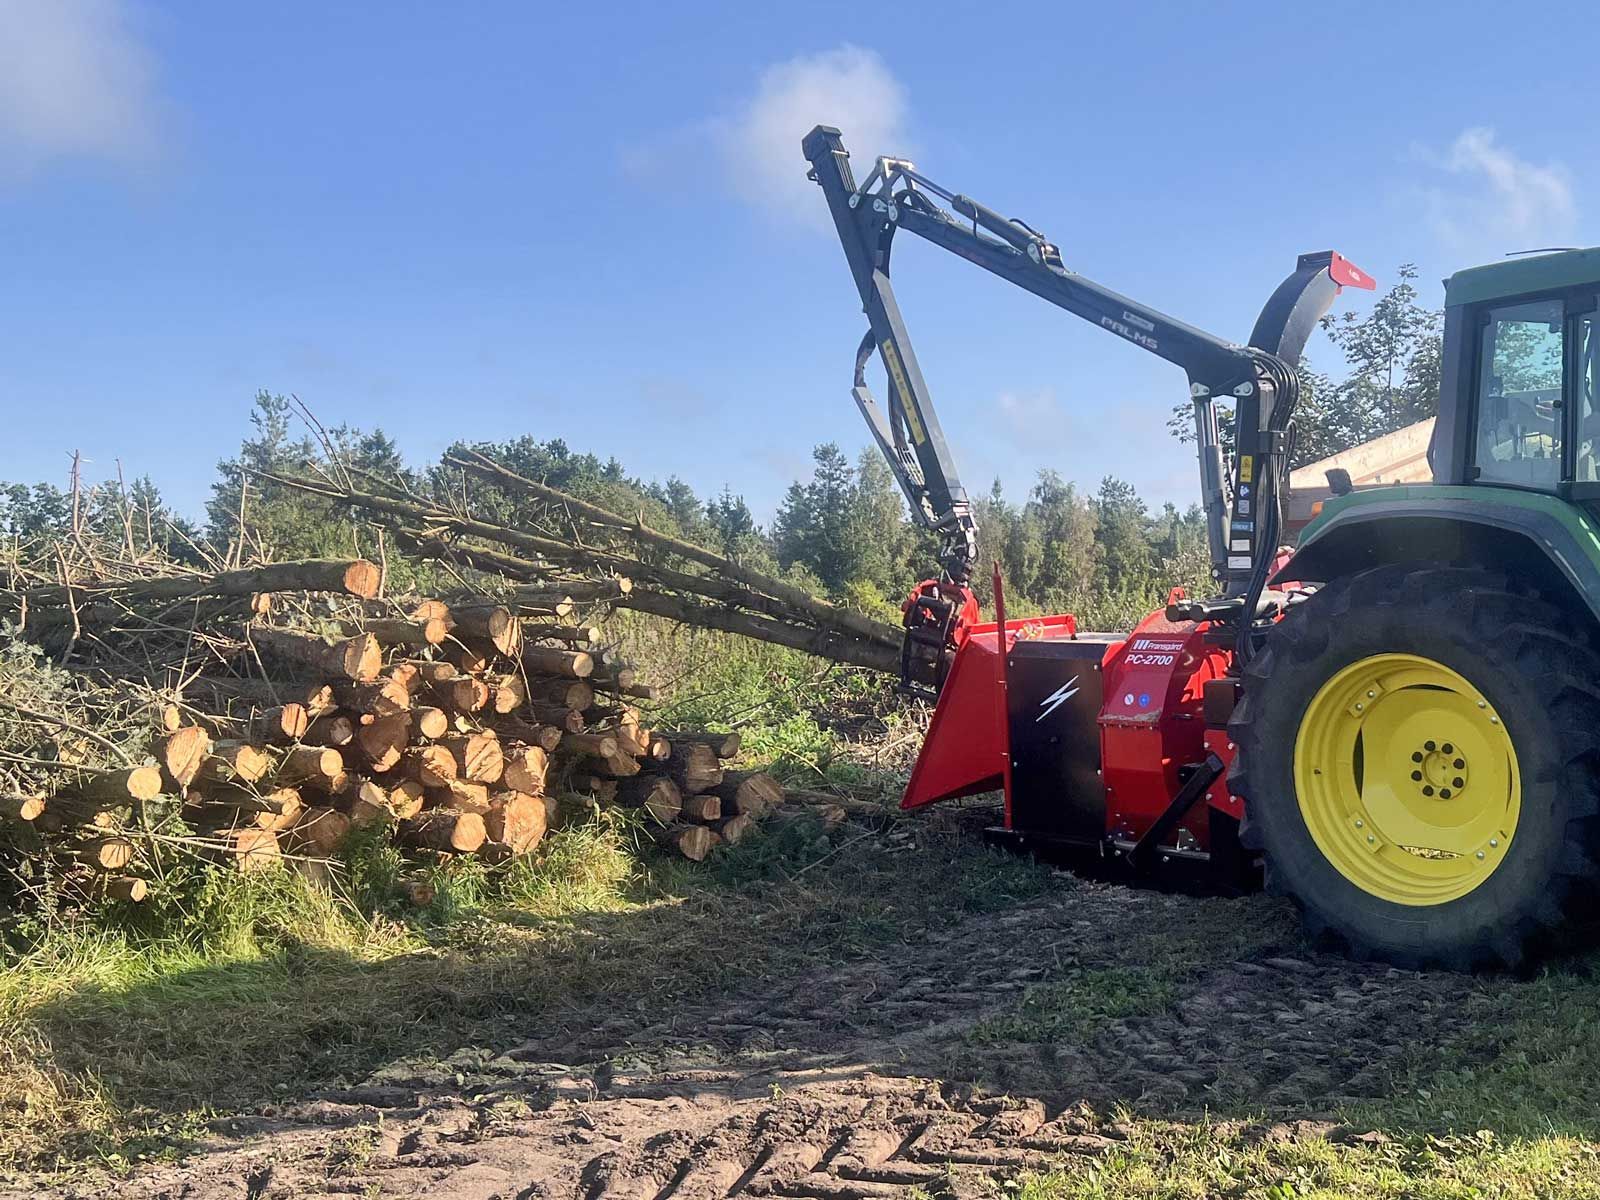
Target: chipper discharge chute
1401	718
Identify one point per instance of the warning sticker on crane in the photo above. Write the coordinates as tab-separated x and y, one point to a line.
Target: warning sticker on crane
1247	468
897	375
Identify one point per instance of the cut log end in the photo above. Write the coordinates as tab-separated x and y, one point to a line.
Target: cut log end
694	842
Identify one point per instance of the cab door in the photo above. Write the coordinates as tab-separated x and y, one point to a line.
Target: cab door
1520	426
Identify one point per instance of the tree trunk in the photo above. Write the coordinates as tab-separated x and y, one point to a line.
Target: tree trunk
847	804
316	698
492	623
561	693
22	808
253	849
573	635
546	737
441	829
183	752
316	765
604	791
462	795
525	769
369	806
281	723
574	591
124	887
656	794
406	799
429	722
431	610
515	820
704	807
433	673
507	693
725	568
431	766
732	829
694	768
384	741
379	698
234	807
751	793
723	745
617	678
335	731
613	766
478	756
319	832
601	745
570	664
397	631
825	643
359	657
120	787
232	759
106	853
569	720
463	694
694	842
355	577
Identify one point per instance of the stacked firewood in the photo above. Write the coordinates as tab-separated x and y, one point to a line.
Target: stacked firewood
453	724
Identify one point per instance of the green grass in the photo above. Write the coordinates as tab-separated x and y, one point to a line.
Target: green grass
1075	1007
1198	1162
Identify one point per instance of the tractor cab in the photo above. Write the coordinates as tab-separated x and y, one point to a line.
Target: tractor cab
1520	403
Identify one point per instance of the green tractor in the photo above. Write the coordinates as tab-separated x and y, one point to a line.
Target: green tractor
1419	740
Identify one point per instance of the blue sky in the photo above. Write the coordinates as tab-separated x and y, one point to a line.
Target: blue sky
591	221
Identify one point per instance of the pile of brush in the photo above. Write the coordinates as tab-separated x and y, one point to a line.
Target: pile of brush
295	706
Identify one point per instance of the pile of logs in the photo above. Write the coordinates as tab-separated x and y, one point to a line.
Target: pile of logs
452	724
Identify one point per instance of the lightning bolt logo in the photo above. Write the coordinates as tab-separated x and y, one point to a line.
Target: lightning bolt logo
1057	698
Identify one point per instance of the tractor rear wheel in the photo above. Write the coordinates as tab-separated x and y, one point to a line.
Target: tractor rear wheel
1417	748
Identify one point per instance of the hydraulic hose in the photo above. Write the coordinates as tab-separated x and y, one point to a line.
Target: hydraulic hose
1285	385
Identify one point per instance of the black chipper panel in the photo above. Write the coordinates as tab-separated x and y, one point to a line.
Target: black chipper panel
1053	708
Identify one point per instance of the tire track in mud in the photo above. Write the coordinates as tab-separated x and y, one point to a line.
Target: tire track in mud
858	1080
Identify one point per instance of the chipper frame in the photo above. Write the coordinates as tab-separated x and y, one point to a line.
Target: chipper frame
1403	716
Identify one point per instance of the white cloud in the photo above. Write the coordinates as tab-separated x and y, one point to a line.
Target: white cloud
849	88
75	82
1498	202
758	140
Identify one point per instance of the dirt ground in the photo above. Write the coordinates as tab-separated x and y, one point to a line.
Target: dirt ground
940	1067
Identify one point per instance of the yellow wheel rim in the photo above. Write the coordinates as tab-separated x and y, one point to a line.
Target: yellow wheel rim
1407	779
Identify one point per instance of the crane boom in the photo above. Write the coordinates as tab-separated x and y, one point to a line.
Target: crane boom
1258	378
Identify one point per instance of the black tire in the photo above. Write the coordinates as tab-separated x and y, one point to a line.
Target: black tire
1527	660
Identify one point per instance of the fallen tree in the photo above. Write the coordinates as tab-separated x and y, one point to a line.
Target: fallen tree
648	571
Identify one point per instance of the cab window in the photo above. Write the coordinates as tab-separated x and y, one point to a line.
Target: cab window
1519	395
1588	401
